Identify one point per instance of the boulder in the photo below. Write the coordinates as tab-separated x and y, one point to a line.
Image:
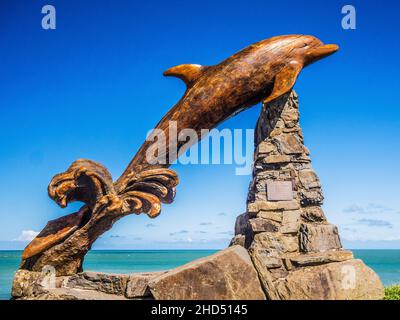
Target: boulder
348	280
226	275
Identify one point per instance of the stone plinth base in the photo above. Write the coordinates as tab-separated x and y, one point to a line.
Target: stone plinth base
296	251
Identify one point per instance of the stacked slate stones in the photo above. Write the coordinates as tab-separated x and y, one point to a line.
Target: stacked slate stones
296	251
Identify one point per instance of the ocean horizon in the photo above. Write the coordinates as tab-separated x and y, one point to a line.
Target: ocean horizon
385	262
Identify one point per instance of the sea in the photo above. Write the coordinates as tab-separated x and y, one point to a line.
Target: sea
386	263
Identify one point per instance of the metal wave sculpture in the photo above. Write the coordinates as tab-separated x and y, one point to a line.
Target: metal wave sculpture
263	71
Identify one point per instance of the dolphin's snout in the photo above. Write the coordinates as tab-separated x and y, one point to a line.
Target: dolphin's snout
327	49
320	52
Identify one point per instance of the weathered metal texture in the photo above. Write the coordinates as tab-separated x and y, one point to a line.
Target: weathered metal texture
263	71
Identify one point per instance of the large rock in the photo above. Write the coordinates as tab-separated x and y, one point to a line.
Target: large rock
349	280
227	274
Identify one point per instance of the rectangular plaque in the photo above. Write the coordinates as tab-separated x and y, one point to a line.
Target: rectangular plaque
279	190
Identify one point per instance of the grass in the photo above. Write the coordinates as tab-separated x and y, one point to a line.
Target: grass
392	292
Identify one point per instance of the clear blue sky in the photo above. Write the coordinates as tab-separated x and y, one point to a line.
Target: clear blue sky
93	87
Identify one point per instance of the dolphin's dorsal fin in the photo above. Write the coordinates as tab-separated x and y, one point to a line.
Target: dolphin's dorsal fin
187	72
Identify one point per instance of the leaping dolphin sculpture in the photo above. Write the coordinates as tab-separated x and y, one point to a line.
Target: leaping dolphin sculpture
263	71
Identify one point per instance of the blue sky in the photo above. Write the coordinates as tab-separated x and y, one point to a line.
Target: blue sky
93	87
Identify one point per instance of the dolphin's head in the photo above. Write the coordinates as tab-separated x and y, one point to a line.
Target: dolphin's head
302	48
311	49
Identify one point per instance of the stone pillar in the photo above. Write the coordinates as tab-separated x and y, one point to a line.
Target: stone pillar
296	251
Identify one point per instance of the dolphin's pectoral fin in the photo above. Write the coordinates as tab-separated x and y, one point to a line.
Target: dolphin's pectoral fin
284	81
187	72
